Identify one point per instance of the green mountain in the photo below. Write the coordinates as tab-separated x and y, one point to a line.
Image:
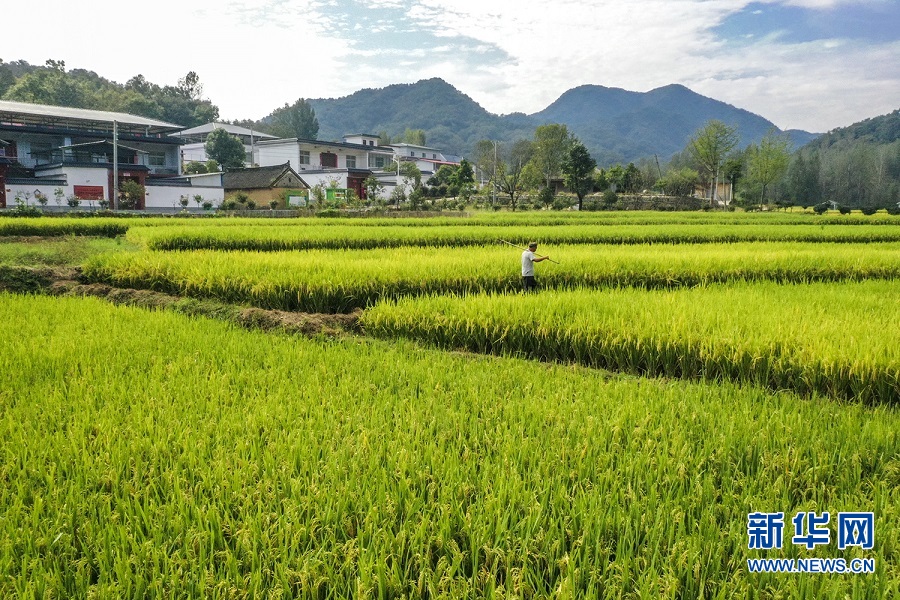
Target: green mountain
452	121
856	166
616	125
877	131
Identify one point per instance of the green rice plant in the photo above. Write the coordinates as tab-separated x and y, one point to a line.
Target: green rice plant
151	455
57	251
837	339
342	280
361	236
100	227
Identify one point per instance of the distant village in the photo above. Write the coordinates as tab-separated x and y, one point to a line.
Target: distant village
55	156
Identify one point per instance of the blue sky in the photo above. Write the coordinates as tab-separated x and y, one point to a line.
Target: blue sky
807	64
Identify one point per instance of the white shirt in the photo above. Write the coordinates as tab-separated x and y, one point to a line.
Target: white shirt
528	264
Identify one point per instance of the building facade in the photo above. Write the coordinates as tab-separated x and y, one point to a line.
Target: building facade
66	154
194	142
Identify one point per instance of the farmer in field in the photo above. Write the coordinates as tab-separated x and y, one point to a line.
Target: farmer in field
528	260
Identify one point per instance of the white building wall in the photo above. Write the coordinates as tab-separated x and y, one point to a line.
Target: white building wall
168	196
326	178
197	152
290	151
27	194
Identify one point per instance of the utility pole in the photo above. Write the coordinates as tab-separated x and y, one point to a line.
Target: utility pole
494	178
115	181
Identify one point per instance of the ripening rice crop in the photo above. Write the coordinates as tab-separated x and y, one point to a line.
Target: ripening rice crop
363	236
150	455
839	339
339	281
101	227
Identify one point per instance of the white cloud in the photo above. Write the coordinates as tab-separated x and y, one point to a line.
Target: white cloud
255	56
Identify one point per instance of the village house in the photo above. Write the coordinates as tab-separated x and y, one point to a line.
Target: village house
263	185
194	142
66	154
343	165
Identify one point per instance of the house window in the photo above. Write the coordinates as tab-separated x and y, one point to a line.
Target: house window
304	157
411	153
157	159
351	162
377	161
328	160
434	156
423	155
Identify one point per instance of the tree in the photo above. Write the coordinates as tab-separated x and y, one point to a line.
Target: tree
415	137
297	120
551	145
768	162
463	179
374	188
578	171
48	86
710	147
633	180
225	149
679	182
194	168
615	177
7	79
510	169
485	158
190	87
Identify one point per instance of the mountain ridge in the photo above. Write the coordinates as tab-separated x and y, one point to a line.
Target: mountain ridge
616	125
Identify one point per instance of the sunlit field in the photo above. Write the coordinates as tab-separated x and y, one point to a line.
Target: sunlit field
605	437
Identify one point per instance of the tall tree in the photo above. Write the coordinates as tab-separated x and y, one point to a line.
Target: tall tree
633	180
804	187
511	169
297	120
226	149
768	162
578	171
710	147
190	87
485	157
463	179
551	145
7	79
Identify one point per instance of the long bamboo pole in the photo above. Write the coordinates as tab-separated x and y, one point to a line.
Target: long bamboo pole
523	249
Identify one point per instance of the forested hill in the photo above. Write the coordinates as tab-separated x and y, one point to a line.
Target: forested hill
616	125
182	104
877	130
452	121
619	126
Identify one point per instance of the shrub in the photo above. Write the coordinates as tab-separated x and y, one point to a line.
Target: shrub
546	196
844	210
821	208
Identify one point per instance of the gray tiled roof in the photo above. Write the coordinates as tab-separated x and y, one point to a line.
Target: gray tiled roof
256	177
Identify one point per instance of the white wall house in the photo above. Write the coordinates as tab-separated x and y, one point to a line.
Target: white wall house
347	164
427	159
62	152
194	147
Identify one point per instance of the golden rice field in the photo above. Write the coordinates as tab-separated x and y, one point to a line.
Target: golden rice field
606	437
342	280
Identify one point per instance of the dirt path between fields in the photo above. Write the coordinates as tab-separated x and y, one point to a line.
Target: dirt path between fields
66	282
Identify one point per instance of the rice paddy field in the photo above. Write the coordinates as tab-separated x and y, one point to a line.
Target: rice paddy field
605	437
